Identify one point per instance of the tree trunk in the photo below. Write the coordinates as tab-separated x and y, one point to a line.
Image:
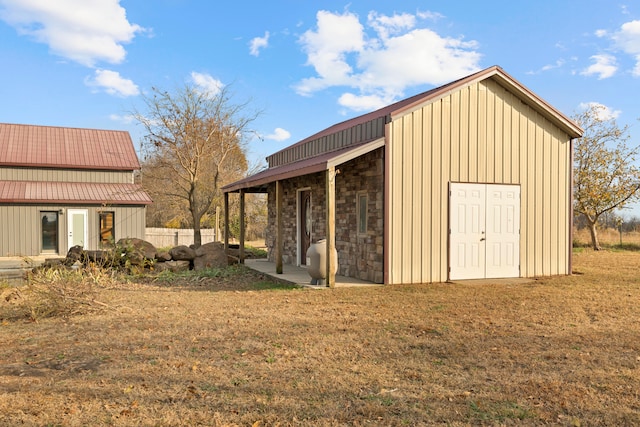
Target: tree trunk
197	236
594	235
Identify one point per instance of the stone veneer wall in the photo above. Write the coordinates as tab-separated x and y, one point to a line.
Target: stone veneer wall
359	256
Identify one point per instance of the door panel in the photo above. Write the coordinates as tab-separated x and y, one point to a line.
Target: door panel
503	231
485	231
77	227
467	231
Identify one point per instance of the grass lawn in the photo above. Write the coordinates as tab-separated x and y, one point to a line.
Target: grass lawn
235	349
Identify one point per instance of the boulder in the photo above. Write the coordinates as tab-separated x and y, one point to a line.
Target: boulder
75	253
163	256
173	266
182	253
138	250
210	255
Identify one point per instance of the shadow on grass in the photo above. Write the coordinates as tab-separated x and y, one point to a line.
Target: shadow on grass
235	277
630	247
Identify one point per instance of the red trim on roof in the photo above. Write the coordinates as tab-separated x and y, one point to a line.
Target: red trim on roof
66	148
72	192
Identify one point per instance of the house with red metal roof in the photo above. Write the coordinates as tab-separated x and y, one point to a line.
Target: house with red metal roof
470	180
62	187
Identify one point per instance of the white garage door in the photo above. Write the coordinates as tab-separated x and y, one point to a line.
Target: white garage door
484	231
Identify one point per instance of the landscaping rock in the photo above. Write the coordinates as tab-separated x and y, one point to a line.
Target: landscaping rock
173	266
182	253
75	253
163	256
138	250
210	255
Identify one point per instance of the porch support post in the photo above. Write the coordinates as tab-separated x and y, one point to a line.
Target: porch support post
330	198
226	223
242	227
279	234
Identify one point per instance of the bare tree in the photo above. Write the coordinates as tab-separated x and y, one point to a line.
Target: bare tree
605	174
195	141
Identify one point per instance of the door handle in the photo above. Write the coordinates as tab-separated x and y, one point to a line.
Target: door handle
482	239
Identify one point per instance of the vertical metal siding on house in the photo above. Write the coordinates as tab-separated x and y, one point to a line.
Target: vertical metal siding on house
20	229
65	175
480	133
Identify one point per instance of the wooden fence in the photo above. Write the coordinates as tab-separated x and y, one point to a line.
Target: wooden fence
165	237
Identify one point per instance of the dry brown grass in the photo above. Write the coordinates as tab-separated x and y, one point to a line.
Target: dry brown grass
609	238
559	351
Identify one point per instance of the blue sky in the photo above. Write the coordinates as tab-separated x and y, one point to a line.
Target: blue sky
306	65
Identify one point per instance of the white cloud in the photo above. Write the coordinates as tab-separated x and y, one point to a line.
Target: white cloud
628	40
558	64
125	119
279	134
84	31
604	66
433	16
326	49
388	25
258	43
112	83
379	61
207	83
603	112
363	102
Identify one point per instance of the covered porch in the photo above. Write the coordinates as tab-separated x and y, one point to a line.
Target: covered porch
324	166
299	275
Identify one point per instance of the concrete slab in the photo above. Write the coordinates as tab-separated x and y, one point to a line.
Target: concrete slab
299	276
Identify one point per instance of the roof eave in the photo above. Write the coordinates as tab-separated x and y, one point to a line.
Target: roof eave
335	158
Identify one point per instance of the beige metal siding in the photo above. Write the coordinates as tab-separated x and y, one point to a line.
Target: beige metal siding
20	228
480	133
65	175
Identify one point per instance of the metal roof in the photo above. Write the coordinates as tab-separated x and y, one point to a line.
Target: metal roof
400	108
66	148
72	192
314	164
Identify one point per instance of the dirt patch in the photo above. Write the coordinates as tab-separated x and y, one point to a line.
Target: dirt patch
216	351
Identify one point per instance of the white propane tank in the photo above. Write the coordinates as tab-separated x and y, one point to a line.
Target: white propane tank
317	267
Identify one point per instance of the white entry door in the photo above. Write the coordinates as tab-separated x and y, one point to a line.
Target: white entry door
77	227
484	231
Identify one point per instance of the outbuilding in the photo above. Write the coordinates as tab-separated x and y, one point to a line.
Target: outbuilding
470	180
62	187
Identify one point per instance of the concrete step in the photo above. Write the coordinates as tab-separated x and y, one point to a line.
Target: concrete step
11	273
12	268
